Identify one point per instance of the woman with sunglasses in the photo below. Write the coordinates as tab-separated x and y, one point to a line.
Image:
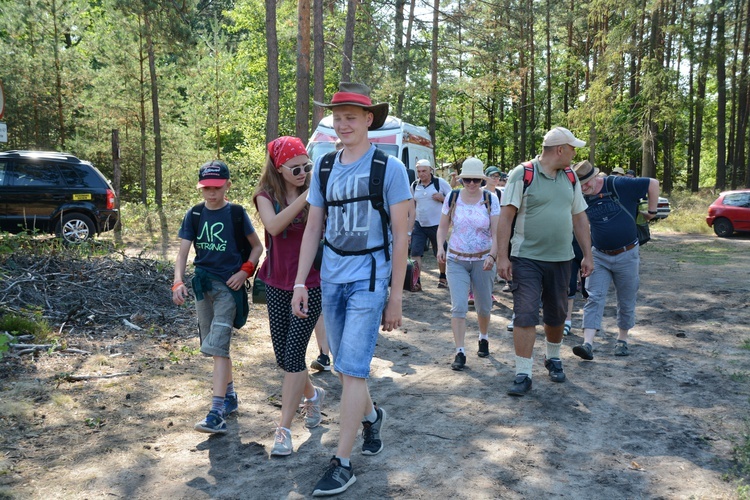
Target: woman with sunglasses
472	251
281	203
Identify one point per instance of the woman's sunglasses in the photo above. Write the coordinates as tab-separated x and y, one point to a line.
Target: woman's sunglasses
469	181
298	169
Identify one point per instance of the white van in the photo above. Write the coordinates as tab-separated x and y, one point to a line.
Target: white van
405	141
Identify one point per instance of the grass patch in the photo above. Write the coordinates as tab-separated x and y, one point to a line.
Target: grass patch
26	322
741	455
688	213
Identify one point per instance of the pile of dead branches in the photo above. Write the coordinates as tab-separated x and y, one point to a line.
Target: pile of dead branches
78	290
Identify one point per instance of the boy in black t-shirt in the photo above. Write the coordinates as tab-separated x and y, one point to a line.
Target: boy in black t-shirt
220	273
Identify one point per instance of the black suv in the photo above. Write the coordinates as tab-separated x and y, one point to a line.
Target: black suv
54	193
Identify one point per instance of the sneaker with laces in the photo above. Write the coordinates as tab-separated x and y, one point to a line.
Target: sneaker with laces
585	351
484	348
213	424
322	364
372	432
554	366
282	443
512	320
521	385
471	298
442	283
621	348
230	404
311	409
459	362
335	480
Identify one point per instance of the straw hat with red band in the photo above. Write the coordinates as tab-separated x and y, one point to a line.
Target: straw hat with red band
358	94
285	148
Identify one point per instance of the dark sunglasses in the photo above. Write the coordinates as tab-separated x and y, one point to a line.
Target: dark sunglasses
298	169
469	181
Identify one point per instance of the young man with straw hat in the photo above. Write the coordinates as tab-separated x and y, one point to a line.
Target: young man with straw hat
357	262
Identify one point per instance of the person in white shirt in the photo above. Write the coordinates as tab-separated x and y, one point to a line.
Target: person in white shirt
429	192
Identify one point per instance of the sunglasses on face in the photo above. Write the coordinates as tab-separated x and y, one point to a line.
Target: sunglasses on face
469	181
296	170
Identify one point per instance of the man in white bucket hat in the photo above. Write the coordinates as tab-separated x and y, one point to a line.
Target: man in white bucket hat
544	198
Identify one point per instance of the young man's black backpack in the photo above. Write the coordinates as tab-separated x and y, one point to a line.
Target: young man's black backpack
375	195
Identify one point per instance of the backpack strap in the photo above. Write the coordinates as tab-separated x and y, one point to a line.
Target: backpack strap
571	175
195	218
238	221
487	203
377	176
452	202
436	183
528	174
326	164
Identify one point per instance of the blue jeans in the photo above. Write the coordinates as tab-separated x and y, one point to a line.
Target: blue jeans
622	269
352	315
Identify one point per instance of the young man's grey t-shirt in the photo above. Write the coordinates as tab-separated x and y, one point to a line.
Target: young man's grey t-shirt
357	226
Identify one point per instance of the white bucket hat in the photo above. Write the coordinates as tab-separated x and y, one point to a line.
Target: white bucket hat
472	168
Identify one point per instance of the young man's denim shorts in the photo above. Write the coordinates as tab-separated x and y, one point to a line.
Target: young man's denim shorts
352	315
215	319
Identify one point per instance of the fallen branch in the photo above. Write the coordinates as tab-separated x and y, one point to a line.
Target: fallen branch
31	348
80	378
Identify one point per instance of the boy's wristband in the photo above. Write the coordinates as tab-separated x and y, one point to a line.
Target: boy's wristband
177	285
248	267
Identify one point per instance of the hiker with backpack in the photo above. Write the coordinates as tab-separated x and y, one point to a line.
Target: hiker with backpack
281	201
612	212
365	196
472	250
429	192
544	200
227	250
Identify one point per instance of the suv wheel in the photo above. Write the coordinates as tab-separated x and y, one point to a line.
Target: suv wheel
75	228
723	227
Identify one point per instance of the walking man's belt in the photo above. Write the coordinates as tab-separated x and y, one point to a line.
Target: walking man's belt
469	255
619	250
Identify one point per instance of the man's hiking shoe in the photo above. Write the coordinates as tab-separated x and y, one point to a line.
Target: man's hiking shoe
621	348
311	409
230	404
213	424
282	443
484	348
442	283
459	362
521	385
554	366
584	351
322	364
371	434
335	480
